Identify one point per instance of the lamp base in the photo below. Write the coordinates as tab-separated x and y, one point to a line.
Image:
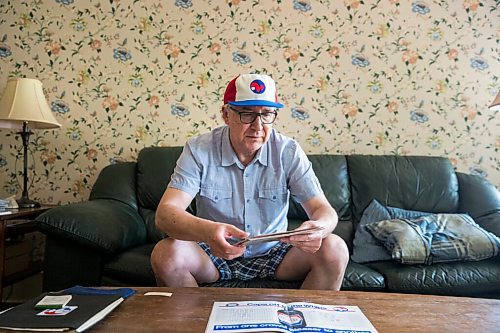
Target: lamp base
27	203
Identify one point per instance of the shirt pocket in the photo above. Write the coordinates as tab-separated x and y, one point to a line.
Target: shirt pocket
273	204
216	203
215	194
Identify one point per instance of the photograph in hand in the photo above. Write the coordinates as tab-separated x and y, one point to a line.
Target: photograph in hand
274	236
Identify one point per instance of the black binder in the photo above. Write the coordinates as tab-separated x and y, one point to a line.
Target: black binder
90	310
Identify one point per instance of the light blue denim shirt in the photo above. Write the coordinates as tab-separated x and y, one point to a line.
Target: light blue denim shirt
253	198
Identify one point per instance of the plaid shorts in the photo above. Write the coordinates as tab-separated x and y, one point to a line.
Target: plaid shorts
248	268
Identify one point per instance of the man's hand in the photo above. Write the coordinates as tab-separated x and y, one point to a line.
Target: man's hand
216	239
309	243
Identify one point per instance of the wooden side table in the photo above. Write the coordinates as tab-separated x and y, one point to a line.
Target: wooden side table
18	222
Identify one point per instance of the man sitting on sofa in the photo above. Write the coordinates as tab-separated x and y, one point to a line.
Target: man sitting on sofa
242	175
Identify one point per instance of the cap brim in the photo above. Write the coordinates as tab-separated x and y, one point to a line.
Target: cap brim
256	103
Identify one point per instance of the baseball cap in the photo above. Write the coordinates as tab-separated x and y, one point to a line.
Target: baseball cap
252	90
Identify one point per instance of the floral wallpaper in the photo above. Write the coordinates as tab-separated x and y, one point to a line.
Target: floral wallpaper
356	76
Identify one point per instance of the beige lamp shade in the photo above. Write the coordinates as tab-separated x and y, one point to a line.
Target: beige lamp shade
495	106
23	101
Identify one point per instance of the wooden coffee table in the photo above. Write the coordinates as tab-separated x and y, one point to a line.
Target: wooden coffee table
188	309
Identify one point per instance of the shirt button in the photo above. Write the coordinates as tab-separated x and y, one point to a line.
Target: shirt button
248	200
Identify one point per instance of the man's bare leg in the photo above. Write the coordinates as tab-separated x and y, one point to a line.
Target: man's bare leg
321	270
179	263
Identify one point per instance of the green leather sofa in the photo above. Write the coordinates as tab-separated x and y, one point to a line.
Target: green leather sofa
107	240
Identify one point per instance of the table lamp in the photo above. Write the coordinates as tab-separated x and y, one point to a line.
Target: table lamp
495	106
23	106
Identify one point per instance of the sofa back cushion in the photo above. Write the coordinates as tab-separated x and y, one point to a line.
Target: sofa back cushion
154	168
155	165
332	174
421	183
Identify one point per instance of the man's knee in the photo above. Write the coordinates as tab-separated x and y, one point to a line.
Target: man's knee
334	250
165	255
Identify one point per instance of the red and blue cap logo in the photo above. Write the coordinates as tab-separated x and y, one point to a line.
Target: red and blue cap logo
257	86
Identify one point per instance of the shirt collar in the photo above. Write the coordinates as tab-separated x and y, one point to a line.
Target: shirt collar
228	156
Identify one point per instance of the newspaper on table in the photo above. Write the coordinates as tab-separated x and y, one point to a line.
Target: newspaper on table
271	316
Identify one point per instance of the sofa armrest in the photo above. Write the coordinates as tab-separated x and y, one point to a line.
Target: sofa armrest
477	195
481	200
108	226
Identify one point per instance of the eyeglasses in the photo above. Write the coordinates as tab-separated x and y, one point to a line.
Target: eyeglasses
249	117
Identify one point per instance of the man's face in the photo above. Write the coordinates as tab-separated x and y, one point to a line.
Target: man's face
248	136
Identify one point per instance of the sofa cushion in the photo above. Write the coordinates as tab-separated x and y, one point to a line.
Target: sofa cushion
435	238
357	277
419	183
362	277
367	248
132	267
468	278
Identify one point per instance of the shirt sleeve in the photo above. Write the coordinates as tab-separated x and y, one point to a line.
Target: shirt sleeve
302	180
187	173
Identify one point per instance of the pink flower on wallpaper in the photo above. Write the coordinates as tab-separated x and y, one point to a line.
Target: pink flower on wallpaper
468	113
333	51
154	101
53	47
48	157
172	51
392	107
352	3
350	110
91	154
96	45
110	103
215	48
410	57
453	54
291	54
471	5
